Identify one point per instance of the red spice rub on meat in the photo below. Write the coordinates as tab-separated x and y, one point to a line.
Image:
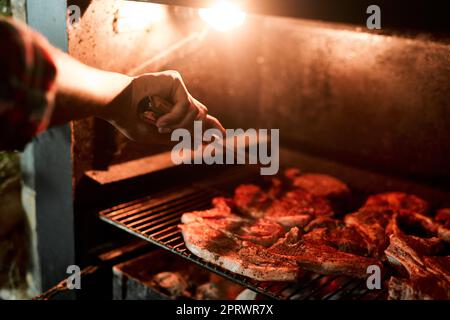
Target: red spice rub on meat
396	201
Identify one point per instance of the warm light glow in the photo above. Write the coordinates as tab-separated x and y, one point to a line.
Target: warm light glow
138	16
223	16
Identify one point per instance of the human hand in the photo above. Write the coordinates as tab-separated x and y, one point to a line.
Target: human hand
168	86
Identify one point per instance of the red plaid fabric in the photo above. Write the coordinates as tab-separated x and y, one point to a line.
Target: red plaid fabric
27	76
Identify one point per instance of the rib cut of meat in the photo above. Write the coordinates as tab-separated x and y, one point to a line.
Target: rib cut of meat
412	223
251	200
297	208
397	201
241	257
320	258
294	208
324	186
336	234
425	277
406	289
443	218
416	224
372	223
259	231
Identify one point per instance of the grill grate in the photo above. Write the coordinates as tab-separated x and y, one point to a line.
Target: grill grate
156	218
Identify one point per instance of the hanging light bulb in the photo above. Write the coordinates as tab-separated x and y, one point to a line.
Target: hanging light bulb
223	15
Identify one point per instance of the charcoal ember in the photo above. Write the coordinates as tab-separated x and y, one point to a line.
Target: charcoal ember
397	201
251	200
171	283
208	291
297	208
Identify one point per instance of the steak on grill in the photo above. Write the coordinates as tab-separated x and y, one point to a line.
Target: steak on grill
324	186
320	258
425	277
443	218
371	223
241	257
297	208
419	227
251	200
397	201
294	208
259	231
336	234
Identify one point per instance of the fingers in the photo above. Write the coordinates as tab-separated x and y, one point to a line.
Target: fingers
176	115
212	122
184	109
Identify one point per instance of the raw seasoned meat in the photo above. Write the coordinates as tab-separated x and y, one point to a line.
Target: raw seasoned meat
260	231
372	223
336	234
420	289
396	201
443	218
419	227
241	257
324	186
320	258
251	200
294	208
412	223
297	208
425	277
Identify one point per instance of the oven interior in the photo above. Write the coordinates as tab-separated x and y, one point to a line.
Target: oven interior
368	107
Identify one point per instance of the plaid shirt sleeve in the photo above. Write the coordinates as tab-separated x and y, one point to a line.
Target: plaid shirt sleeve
26	84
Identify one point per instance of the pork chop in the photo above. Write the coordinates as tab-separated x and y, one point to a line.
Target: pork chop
324	186
336	234
424	277
294	208
259	231
241	257
372	223
396	201
443	218
320	258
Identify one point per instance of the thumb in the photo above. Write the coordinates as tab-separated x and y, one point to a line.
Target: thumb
213	123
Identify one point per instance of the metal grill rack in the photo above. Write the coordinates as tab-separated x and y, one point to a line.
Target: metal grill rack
156	218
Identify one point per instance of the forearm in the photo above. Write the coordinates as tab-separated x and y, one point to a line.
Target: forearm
83	91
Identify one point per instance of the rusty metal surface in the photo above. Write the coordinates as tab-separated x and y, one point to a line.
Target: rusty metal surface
373	100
